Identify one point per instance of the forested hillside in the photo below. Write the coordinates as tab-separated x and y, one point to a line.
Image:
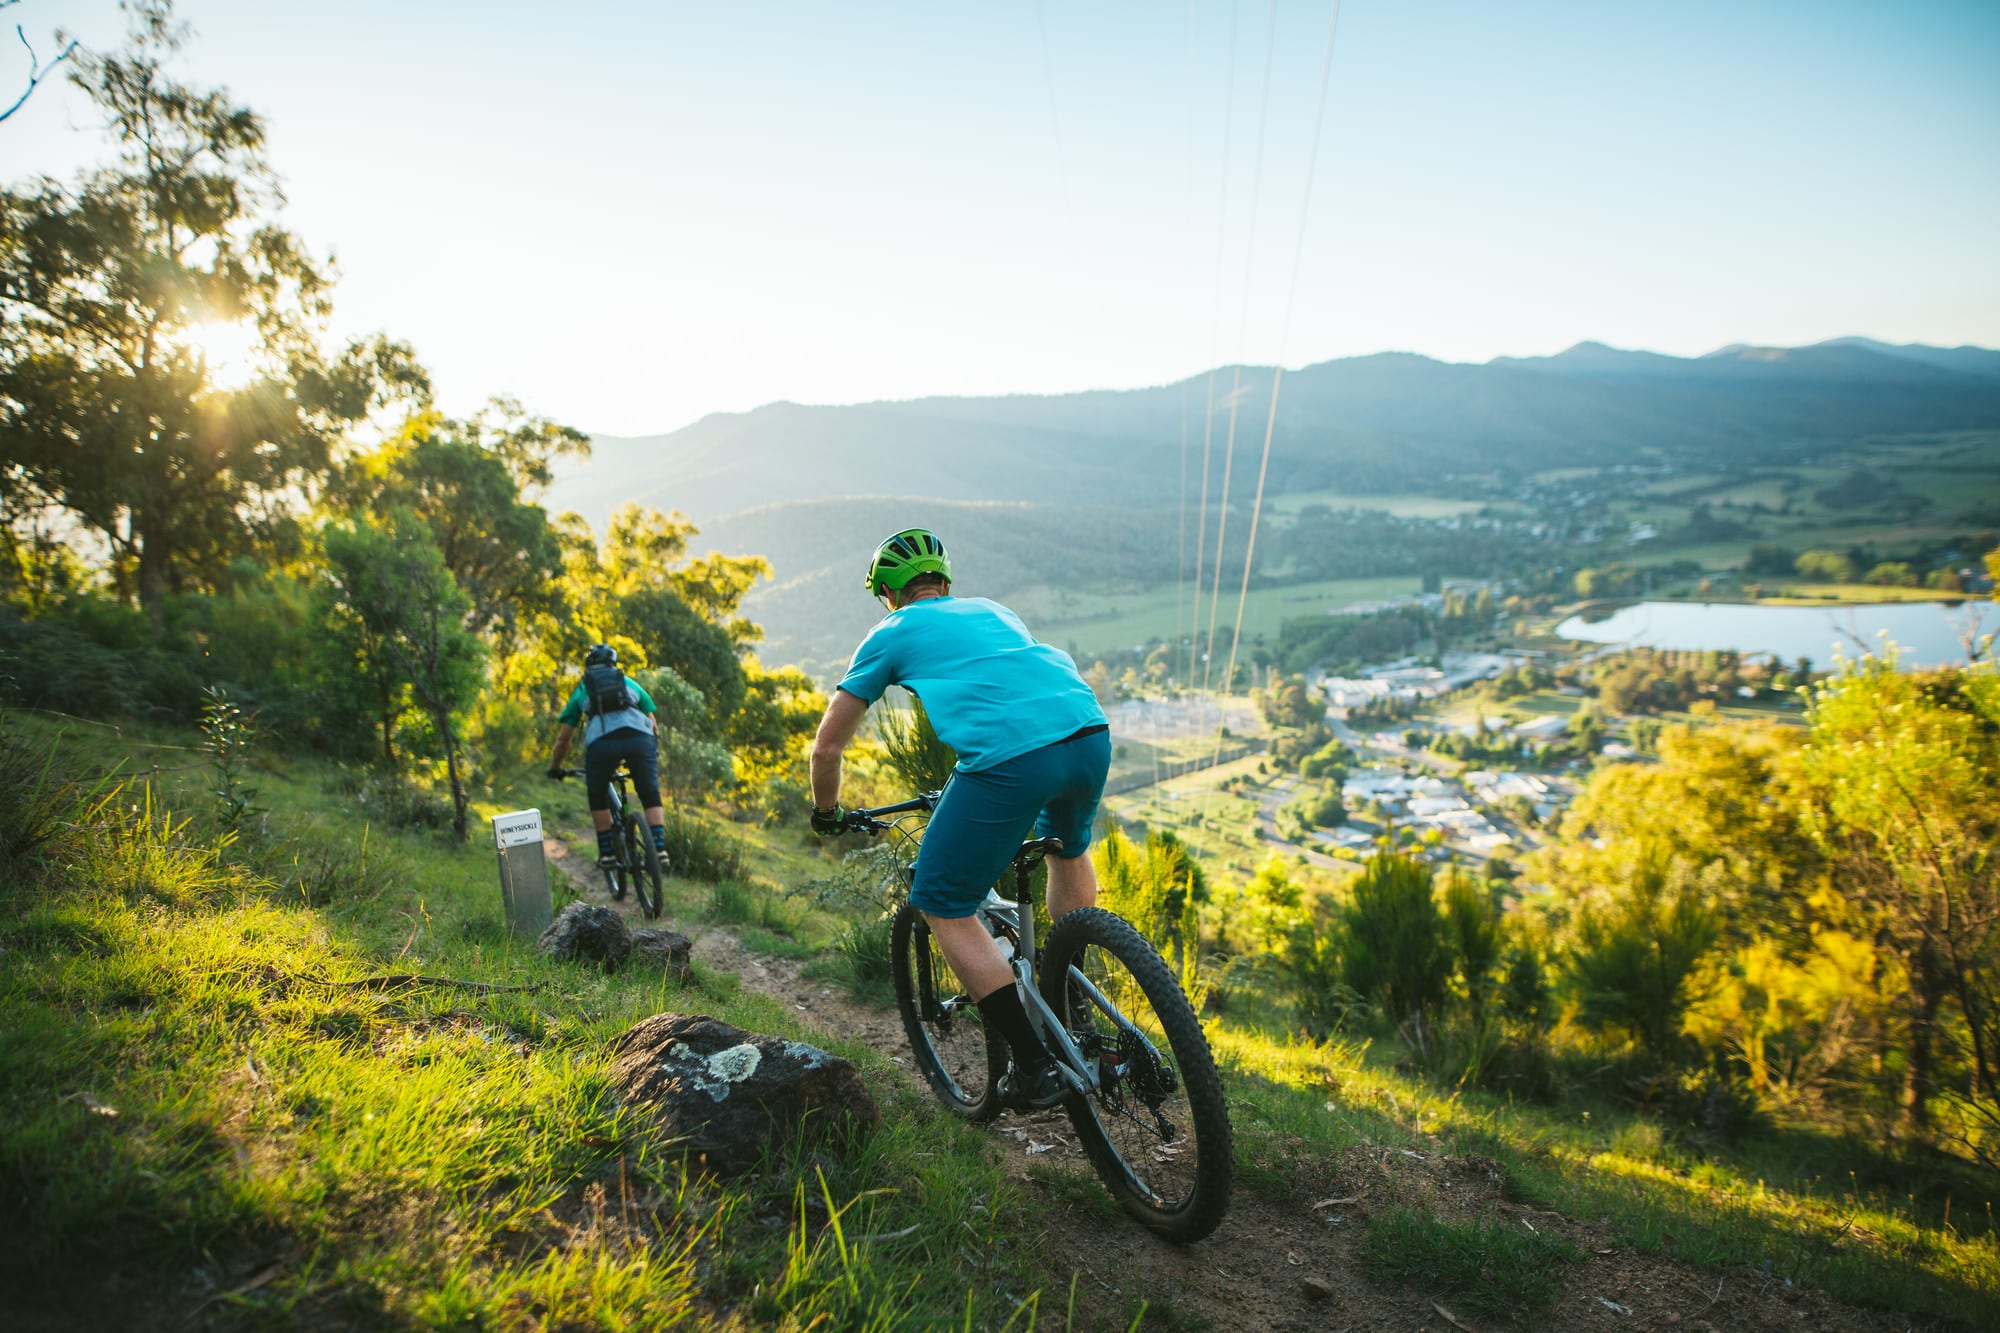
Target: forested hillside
1114	480
1388	422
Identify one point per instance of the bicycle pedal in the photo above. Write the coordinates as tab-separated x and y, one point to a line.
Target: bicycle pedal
1039	1091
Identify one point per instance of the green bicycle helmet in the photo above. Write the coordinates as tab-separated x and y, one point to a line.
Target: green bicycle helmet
911	552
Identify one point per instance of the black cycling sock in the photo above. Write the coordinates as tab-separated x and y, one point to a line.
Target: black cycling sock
659	837
1004	1010
607	843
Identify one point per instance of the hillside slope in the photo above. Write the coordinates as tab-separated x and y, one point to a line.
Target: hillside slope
1387	421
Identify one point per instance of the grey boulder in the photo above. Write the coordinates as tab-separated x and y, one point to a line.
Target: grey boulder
730	1095
584	933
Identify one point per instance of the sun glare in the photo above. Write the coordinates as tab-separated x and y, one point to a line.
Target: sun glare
230	351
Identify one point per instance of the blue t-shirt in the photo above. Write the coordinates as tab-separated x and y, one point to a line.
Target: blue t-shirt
992	692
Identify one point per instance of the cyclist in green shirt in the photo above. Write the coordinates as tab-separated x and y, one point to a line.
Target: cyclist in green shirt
616	716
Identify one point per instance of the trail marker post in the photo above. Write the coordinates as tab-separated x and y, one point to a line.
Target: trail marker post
524	871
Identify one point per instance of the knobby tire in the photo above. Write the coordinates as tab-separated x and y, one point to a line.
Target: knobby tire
645	860
1159	1135
946	1031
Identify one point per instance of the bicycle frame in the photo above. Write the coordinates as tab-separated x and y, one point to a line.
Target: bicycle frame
1018	919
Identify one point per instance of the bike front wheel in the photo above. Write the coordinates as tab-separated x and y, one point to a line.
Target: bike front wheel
1157	1127
645	859
947	1032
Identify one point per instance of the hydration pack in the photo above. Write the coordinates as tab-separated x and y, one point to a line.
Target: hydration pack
605	691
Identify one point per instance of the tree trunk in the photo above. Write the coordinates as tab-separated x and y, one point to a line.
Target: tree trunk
442	719
1917	1071
152	580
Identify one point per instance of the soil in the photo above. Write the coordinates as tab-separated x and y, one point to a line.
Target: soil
1291	1264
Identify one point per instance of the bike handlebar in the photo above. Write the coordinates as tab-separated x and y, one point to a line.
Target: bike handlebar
874	821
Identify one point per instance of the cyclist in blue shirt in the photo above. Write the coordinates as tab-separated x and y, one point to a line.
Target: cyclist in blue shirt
616	715
1033	749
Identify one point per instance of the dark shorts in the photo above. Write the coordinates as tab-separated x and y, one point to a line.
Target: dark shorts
638	751
983	818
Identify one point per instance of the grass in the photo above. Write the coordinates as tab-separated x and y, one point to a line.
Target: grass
194	1093
1876	1237
1102	622
436	1157
1489	1269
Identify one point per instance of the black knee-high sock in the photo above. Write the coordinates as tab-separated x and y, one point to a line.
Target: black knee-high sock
1003	1009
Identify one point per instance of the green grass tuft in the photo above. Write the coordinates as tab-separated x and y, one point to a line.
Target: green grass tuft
1494	1270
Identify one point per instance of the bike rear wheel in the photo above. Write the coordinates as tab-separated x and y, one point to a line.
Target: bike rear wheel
643	862
946	1030
1157	1128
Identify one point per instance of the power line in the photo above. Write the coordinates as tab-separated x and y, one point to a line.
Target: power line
1285	331
1215	322
1242	328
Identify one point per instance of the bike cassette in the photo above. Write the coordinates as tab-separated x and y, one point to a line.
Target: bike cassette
1153	1078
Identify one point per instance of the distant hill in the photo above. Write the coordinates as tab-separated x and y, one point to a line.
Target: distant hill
1026	480
1382	422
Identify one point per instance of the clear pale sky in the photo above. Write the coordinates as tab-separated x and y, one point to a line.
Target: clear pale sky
632	214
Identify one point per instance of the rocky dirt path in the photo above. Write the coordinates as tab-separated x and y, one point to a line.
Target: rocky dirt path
1291	1263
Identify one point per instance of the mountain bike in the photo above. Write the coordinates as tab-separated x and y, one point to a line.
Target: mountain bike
1144	1095
639	863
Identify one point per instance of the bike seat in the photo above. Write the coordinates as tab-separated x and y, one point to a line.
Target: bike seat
1036	848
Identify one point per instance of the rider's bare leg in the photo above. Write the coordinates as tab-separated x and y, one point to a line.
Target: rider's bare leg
656	815
602	819
1072	884
973	954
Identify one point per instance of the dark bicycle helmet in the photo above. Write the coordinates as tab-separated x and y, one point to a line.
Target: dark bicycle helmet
602	654
911	552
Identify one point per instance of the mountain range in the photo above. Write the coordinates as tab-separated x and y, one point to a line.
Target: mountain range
810	486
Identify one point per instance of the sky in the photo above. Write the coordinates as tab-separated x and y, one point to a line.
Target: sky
630	215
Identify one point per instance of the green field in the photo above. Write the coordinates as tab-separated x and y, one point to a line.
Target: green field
1402	506
1102	622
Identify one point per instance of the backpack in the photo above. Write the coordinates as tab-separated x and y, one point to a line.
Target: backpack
604	691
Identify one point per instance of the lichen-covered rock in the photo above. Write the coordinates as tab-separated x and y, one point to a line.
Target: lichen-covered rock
588	934
668	950
730	1094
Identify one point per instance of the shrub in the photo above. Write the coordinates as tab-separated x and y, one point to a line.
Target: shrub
1634	956
696	849
1395	937
39	802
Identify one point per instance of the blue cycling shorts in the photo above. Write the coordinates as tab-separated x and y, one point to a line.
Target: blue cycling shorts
982	819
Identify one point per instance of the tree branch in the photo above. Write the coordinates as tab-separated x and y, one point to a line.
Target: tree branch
36	71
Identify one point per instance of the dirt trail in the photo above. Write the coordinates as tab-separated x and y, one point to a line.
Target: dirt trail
1291	1263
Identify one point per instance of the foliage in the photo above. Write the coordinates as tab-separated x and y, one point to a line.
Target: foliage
393	587
1636	953
1287	703
226	733
43	801
1394	938
108	396
768	732
697	849
911	747
1904	774
466	480
1158	888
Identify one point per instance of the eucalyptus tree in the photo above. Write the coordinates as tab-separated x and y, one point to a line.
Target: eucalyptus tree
118	293
391	581
472	482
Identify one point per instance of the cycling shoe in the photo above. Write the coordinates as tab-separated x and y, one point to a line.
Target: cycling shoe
1032	1090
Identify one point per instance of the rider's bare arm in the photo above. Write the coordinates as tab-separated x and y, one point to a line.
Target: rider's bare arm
843	718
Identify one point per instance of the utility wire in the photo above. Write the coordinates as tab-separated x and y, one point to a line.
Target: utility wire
1285	333
1242	328
1215	324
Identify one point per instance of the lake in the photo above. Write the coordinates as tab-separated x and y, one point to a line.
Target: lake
1927	633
